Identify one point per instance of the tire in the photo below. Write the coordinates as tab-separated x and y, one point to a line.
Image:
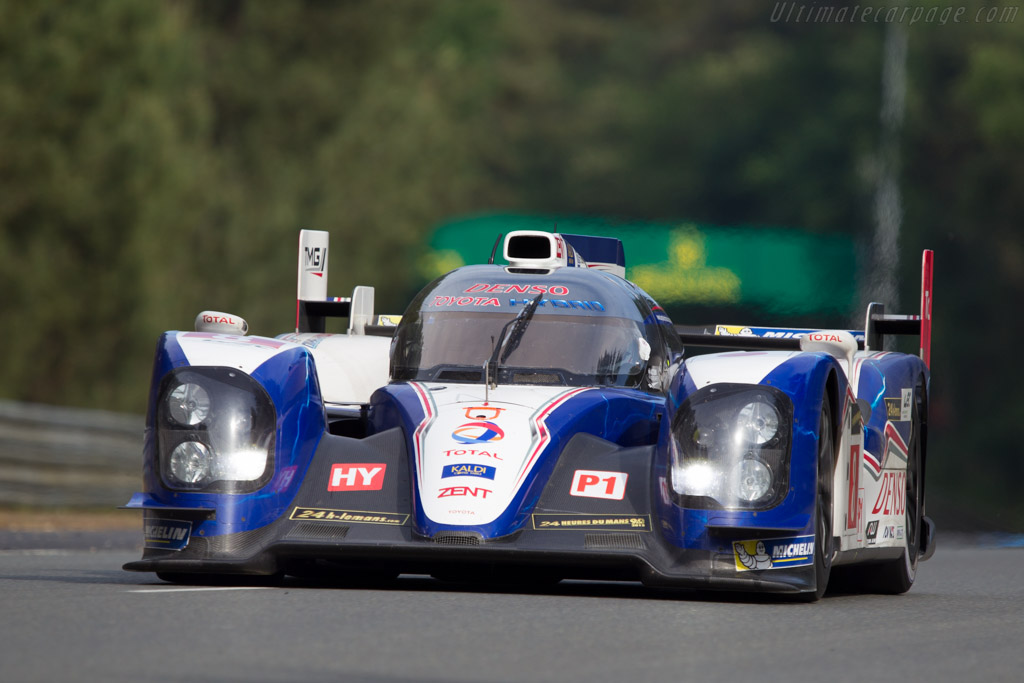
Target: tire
824	541
893	577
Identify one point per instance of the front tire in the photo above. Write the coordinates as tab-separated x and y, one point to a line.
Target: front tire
824	542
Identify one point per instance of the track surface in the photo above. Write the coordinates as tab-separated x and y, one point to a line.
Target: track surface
69	613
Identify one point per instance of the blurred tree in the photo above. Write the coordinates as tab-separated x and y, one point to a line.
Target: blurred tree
964	182
99	130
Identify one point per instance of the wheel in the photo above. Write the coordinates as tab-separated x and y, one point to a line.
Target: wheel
893	577
824	542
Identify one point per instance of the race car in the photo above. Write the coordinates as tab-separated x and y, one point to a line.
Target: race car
537	420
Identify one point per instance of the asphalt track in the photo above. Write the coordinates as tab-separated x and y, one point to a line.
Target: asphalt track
69	613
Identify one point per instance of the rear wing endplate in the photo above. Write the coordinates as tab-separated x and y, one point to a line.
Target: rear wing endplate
313	306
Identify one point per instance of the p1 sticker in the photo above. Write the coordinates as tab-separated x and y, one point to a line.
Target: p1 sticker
773	553
597	484
357	476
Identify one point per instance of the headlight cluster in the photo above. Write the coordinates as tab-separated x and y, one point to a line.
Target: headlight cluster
215	431
730	447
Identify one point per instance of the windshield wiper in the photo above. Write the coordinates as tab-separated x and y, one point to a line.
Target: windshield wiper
508	341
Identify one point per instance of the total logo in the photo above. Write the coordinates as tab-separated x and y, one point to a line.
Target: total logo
478	432
471	451
357	476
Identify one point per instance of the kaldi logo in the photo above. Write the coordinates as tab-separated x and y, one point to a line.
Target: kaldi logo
357	476
595	484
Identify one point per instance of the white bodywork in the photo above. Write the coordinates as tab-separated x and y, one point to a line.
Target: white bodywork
349	366
498	441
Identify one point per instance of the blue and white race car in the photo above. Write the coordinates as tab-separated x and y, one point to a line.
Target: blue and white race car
537	421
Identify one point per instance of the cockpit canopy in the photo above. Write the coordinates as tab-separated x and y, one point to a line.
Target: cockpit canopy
588	329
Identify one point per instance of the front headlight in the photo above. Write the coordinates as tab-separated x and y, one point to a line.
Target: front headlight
215	431
752	480
757	423
188	404
190	462
730	447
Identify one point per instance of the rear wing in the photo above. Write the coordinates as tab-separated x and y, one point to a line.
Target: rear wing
313	306
877	324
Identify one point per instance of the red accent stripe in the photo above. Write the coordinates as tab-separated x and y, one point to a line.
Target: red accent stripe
893	435
927	270
871	461
541	422
427	417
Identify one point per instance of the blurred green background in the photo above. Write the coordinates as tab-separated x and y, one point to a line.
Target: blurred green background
158	158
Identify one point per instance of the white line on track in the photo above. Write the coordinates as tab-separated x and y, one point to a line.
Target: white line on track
202	588
41	552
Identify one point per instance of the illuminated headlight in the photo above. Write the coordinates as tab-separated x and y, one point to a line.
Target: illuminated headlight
757	423
697	478
215	431
188	404
730	448
751	480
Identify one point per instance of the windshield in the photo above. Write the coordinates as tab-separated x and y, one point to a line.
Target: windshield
573	350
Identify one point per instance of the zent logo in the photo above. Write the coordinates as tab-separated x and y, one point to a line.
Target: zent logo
358	476
463	491
478	432
595	484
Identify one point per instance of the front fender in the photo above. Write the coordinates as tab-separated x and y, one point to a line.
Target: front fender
287	374
807	379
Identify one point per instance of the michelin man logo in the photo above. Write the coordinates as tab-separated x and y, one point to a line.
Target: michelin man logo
751	558
773	553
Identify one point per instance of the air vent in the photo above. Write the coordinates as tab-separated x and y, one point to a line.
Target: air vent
614	541
460	376
458	538
318	532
